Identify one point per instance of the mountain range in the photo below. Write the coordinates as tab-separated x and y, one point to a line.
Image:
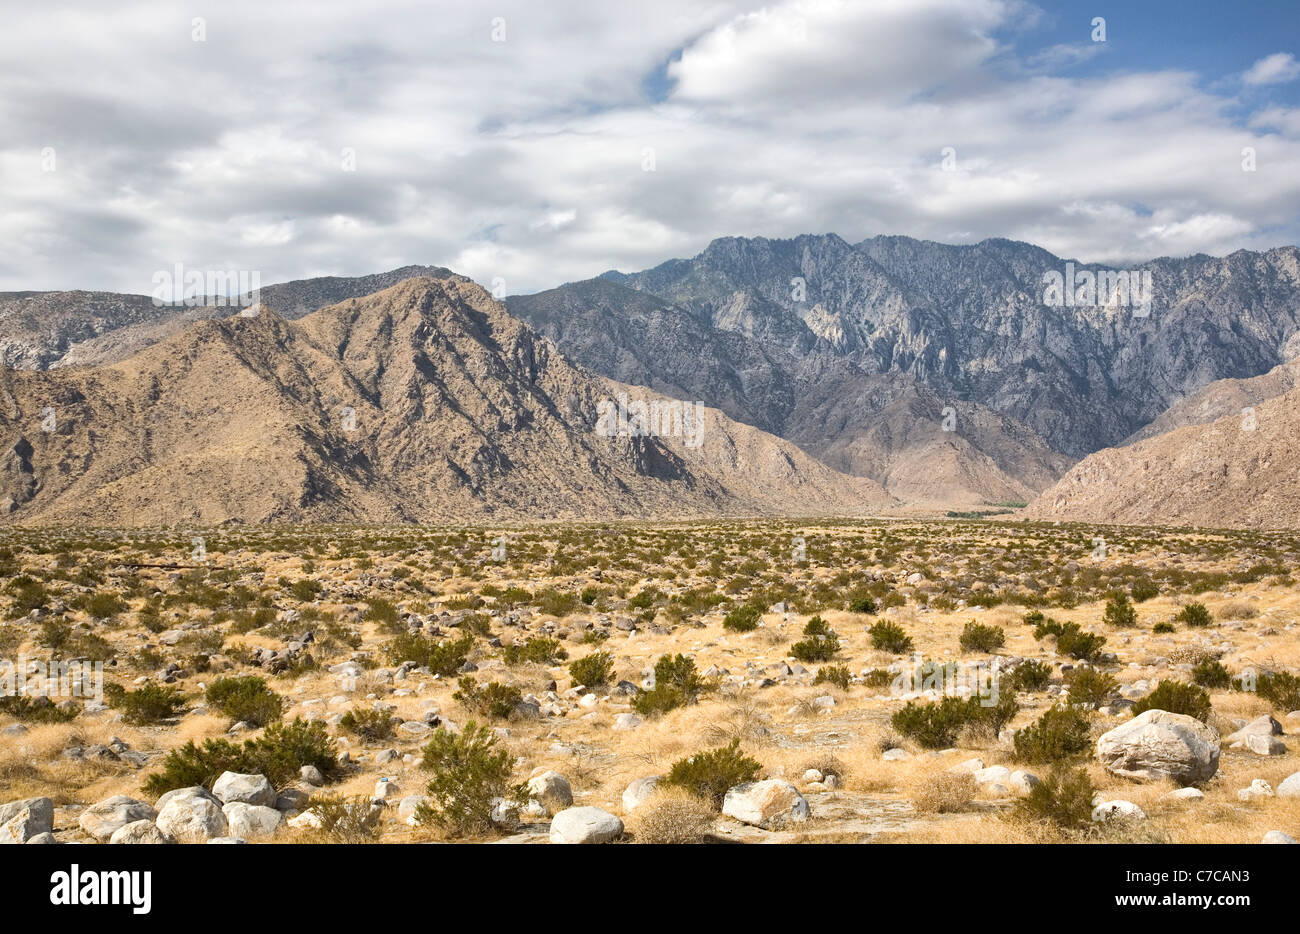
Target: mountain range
838	377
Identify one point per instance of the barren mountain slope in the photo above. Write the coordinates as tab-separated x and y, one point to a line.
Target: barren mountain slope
422	402
1221	398
1223	474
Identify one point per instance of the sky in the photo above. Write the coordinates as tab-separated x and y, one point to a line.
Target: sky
526	143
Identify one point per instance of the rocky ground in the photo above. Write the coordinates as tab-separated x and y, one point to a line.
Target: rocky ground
766	730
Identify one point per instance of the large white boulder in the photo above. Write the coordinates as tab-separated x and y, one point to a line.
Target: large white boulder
238	787
1159	745
766	804
585	825
191	816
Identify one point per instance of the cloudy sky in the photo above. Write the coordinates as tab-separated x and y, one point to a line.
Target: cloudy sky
540	141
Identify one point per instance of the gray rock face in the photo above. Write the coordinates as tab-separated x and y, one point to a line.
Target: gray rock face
104	819
551	790
1159	745
20	821
140	832
585	825
768	804
233	787
251	820
191	817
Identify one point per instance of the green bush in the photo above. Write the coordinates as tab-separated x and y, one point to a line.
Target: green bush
1279	688
743	618
1059	733
371	725
493	699
36	709
1210	673
838	675
104	604
246	699
1071	639
889	637
861	604
443	657
1144	590
677	684
1064	799
150	703
279	754
306	590
343	819
1119	612
976	637
936	725
820	643
592	671
1030	675
708	775
1177	697
540	649
383	613
1090	686
1162	627
878	678
469	774
1194	615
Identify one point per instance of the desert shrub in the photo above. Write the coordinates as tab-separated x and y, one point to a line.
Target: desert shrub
1059	733
1177	697
103	604
1033	618
1119	612
538	649
708	775
305	590
820	643
1279	688
594	670
878	678
343	819
677	683
1143	590
1090	686
443	657
556	603
36	709
861	604
149	703
383	613
1210	673
246	699
945	793
743	618
890	637
837	675
371	725
1030	675
28	594
1063	799
673	817
1162	627
976	637
1194	615
1238	609
493	699
936	725
279	754
469	774
1071	639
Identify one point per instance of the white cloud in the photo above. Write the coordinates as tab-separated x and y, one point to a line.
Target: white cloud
524	159
1277	68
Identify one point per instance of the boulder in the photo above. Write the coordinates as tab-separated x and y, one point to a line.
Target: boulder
1258	789
407	807
190	816
639	792
1277	836
585	825
766	804
251	820
1265	744
1290	787
551	790
1264	725
1022	782
1117	810
22	820
140	831
1185	794
1158	745
235	787
104	819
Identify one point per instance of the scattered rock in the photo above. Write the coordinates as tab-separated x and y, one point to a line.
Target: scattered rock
637	793
104	819
1119	809
551	790
766	804
585	825
20	821
234	787
1158	745
140	831
251	820
191	815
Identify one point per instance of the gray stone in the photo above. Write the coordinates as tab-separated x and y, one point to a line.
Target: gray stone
1158	745
239	788
1264	725
551	790
1290	787
22	820
1277	836
251	820
585	825
104	819
1265	744
637	793
140	831
1117	810
191	817
767	804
